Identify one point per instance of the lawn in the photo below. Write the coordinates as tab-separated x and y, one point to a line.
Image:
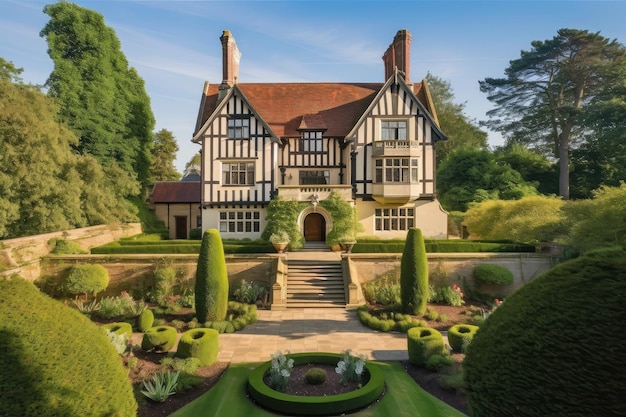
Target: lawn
403	398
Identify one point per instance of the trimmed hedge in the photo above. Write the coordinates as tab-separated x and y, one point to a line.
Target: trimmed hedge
119	328
58	364
159	338
315	405
414	274
145	320
211	290
422	343
86	279
493	274
202	344
396	322
554	347
460	336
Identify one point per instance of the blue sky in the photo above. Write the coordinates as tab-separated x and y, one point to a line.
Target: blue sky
175	47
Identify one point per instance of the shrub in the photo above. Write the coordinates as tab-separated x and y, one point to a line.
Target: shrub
387	321
186	366
122	306
424	342
202	344
551	347
414	274
249	292
448	295
160	386
119	341
164	281
86	279
120	328
282	215
60	352
436	363
145	320
65	247
211	279
460	336
161	338
384	290
315	376
493	274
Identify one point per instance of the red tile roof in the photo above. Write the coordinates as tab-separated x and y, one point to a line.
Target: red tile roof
337	106
176	192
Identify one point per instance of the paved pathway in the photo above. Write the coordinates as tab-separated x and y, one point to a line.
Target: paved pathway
309	330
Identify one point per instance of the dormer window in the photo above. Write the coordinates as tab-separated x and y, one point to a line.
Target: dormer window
238	127
393	129
311	141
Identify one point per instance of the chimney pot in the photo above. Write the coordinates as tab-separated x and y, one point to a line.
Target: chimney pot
398	55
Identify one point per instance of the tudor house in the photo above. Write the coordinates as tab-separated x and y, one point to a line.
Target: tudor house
373	143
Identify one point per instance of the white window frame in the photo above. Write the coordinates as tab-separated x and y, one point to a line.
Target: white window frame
396	170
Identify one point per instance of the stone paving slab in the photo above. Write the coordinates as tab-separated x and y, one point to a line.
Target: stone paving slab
309	330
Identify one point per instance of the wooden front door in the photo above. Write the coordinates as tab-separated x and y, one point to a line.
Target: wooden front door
314	228
181	227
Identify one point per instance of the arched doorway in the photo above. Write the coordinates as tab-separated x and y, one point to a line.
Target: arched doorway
314	228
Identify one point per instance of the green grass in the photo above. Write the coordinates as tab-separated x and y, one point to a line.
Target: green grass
403	398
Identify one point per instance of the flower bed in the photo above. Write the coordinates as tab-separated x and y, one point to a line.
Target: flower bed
315	405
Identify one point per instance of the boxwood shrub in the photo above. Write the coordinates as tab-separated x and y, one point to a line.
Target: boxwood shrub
493	274
159	338
86	279
554	347
422	343
59	364
119	328
202	344
460	336
145	320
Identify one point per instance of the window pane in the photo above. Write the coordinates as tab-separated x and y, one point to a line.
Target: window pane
223	226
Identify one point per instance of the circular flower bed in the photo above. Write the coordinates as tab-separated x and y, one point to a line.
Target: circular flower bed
315	405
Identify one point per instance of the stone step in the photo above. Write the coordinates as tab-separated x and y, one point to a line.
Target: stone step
313	284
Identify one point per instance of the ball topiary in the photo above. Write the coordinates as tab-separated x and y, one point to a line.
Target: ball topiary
493	274
86	279
202	344
119	328
553	348
460	336
60	364
211	289
315	376
160	339
414	274
424	342
145	320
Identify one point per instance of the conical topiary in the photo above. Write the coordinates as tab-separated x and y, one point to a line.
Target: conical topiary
211	279
414	274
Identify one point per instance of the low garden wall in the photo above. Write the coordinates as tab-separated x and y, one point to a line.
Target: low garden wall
459	268
22	255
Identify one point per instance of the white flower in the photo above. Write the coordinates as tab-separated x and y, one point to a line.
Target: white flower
341	367
359	367
285	373
290	363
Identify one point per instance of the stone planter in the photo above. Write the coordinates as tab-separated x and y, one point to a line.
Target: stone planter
280	246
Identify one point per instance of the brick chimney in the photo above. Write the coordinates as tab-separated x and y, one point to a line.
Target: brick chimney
399	55
230	61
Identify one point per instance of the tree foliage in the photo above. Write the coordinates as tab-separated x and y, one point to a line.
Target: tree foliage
44	186
163	157
534	168
194	165
414	274
548	90
211	289
102	100
461	132
530	219
473	175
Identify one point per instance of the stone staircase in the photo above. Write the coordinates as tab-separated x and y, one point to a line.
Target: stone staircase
315	284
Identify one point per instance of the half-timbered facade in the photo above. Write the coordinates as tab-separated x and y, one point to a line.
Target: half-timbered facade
373	143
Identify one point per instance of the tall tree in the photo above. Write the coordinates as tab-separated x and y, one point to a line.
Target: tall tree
194	164
473	175
461	132
532	166
102	100
548	90
163	156
44	186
